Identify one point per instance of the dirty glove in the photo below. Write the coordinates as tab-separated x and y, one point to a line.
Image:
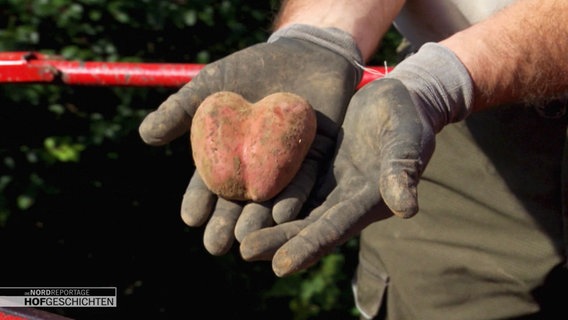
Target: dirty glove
386	142
318	64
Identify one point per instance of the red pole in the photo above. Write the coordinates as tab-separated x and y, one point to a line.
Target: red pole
33	67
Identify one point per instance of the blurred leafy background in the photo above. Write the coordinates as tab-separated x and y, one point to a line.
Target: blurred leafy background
83	202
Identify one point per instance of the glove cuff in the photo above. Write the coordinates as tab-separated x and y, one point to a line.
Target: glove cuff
333	39
439	84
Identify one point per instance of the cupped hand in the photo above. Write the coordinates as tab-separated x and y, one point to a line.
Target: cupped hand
383	148
323	77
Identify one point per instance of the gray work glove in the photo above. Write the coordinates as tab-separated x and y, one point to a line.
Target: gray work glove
386	142
318	64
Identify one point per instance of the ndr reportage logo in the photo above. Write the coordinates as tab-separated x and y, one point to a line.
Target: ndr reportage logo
58	297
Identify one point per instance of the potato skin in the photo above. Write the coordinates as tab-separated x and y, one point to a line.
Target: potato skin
251	151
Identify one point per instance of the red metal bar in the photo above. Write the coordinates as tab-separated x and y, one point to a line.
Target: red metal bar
33	67
30	67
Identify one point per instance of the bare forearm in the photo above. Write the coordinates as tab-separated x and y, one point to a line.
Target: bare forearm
519	54
366	20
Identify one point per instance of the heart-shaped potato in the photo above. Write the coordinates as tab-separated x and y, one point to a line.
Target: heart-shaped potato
251	151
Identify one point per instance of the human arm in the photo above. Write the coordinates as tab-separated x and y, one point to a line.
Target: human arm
390	126
366	20
518	54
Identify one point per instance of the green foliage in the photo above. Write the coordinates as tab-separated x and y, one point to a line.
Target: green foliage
323	291
78	187
173	31
62	149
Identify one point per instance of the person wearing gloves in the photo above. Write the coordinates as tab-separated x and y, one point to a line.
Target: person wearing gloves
476	115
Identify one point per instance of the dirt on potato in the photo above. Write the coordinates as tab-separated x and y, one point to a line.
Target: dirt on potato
251	151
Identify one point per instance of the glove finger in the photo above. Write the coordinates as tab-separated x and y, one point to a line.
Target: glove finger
172	118
407	143
333	228
255	216
261	245
219	234
300	196
398	182
197	203
398	185
289	202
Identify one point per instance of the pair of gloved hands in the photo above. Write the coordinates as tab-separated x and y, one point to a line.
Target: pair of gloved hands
380	139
